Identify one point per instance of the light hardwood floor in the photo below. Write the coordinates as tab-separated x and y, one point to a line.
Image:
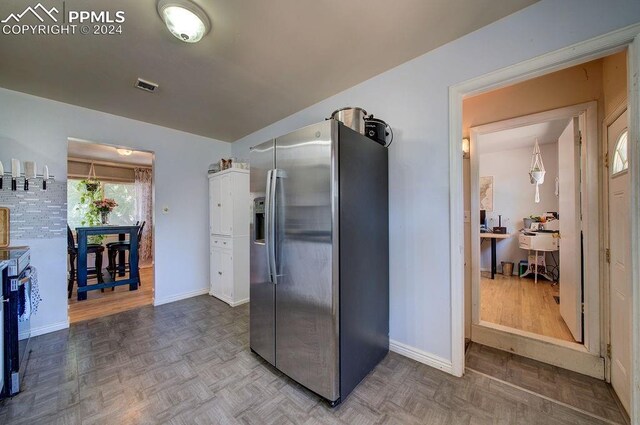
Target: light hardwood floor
524	305
99	304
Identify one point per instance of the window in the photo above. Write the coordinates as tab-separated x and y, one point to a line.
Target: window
123	193
620	157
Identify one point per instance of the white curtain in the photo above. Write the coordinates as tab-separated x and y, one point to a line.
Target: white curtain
144	199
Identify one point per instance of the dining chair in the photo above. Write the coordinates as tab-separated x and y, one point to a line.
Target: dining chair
72	251
114	248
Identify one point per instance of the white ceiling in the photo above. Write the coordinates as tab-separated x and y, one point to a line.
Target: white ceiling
262	61
96	152
521	137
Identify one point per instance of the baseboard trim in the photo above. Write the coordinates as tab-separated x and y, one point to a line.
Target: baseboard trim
185	295
228	300
237	303
421	356
41	330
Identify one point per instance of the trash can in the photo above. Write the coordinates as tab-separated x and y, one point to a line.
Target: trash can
507	268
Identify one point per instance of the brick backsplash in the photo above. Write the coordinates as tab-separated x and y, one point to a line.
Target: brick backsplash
37	213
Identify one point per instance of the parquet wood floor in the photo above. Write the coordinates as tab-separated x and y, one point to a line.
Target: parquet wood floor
189	362
580	391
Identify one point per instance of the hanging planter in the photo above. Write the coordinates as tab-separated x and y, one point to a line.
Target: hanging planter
91	183
537	171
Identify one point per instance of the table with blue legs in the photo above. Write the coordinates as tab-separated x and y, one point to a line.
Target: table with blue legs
134	278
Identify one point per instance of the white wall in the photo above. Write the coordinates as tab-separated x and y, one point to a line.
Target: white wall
413	98
513	196
37	129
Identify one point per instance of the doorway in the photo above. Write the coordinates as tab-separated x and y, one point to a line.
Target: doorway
109	186
520	268
547	302
626	39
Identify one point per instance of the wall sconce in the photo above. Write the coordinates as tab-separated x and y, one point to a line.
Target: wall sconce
465	148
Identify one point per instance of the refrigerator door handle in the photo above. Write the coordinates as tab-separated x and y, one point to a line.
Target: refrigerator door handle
277	174
272	227
268	218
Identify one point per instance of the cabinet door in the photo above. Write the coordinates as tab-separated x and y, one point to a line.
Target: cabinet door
215	205
216	272
226	259
226	200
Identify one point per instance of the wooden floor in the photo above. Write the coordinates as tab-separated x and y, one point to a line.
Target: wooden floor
109	302
524	305
189	362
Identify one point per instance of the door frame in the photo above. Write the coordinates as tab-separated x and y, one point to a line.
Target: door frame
572	55
552	350
620	109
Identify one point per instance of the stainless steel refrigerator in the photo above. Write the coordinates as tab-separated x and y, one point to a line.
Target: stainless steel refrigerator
319	292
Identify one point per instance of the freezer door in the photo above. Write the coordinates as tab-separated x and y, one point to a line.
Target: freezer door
262	291
306	301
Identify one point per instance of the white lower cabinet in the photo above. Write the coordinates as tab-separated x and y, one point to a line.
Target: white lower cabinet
229	269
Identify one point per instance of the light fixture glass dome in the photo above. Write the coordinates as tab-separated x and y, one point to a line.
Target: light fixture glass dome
185	20
124	152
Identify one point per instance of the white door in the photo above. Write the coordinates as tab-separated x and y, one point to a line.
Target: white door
226	259
570	228
226	200
215	204
620	257
216	272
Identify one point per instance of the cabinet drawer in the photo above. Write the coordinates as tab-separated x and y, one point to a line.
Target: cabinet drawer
220	242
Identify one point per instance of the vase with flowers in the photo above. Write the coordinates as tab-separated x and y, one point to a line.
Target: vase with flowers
105	206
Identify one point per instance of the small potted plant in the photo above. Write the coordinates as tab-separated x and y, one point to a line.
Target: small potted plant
91	185
105	206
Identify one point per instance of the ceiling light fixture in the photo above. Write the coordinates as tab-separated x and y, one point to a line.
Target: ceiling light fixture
124	152
184	19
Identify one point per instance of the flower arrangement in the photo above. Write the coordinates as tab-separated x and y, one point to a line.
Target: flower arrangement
105	205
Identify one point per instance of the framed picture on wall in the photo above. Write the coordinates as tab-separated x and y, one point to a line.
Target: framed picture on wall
486	193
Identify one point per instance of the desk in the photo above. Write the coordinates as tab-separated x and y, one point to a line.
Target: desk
494	237
539	242
134	278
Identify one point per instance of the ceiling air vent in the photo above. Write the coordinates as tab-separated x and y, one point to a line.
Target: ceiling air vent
146	85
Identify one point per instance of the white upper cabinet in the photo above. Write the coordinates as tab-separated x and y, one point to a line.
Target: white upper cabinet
229	203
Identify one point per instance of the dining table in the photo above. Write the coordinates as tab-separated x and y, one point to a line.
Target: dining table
109	281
